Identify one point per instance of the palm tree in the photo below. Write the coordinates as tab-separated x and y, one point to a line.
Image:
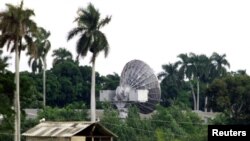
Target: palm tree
91	39
38	61
207	74
197	69
170	73
111	81
186	70
16	25
218	67
201	71
170	83
61	55
220	63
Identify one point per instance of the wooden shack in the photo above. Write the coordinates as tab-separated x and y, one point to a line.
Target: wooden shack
69	131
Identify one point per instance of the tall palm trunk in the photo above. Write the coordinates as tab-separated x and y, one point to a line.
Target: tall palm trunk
194	98
198	95
16	97
44	83
205	106
93	102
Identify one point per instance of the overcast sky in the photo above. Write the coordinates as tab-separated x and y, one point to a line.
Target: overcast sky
154	31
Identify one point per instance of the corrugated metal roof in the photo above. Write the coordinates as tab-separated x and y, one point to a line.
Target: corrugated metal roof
57	129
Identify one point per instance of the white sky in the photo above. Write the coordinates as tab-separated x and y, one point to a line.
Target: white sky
154	31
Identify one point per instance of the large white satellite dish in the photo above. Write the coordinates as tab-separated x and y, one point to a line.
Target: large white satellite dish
138	85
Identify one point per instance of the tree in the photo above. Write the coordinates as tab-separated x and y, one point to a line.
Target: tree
68	77
187	73
185	68
91	39
53	89
111	81
7	87
197	69
178	123
15	25
200	71
46	45
170	84
174	123
170	72
220	63
38	61
61	55
30	97
231	95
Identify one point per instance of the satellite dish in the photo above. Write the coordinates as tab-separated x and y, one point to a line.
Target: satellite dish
138	85
138	75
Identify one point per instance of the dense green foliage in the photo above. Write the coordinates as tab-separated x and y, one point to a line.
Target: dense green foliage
6	98
172	123
71	112
67	82
231	95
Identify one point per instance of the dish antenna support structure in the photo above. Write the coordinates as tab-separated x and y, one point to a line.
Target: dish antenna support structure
138	85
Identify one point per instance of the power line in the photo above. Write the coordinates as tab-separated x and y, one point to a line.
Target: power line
149	131
7	133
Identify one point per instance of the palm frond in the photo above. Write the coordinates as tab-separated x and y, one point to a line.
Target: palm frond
100	43
32	26
3	40
32	48
40	64
30	60
95	15
47	46
161	75
34	66
74	32
83	44
103	22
